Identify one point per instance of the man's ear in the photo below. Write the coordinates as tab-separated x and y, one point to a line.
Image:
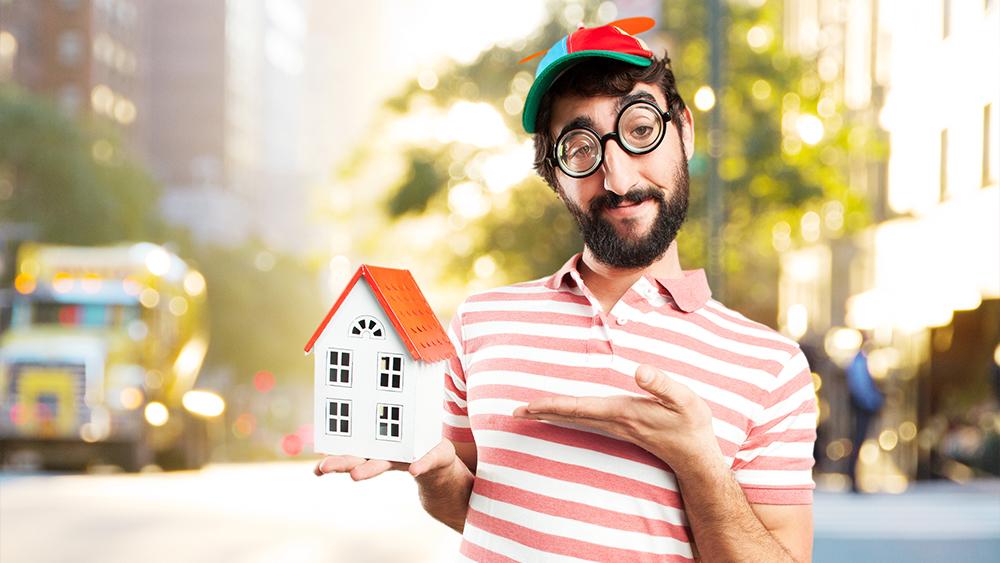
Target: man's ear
687	133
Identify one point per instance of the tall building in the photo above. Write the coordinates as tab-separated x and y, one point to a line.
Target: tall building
191	136
86	55
924	279
187	76
231	139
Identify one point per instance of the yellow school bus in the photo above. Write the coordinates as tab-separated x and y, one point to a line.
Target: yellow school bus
101	358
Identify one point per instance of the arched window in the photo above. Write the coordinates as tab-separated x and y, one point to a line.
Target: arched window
367	327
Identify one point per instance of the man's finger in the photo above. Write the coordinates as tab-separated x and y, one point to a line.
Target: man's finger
439	456
337	464
606	426
575	407
657	383
374	467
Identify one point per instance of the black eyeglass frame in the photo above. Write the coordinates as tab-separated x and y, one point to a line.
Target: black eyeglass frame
601	140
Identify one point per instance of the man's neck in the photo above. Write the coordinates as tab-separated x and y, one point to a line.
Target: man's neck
608	283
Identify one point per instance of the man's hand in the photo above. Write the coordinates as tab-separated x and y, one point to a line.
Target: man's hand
673	424
441	457
443	478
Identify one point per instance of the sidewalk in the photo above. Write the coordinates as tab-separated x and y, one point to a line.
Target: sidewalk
931	521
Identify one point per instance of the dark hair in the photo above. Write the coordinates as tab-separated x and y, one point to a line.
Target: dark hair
601	77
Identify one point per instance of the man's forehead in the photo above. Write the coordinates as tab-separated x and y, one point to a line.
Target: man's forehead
598	109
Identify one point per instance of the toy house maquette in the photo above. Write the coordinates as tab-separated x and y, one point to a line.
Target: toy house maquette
379	368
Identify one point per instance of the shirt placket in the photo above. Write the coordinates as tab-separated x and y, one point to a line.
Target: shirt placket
600	349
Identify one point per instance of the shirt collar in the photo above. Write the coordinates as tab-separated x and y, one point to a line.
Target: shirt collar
689	292
557	279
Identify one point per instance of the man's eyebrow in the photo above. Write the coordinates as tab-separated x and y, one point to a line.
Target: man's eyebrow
635	96
580	121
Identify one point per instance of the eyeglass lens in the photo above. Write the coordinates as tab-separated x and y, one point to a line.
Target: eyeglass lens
639	130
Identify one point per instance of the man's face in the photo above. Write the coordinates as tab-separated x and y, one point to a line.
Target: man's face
631	208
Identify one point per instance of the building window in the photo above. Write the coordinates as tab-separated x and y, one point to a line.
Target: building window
943	169
339	367
70	48
367	327
389	422
988	171
390	372
338	417
945	18
70	99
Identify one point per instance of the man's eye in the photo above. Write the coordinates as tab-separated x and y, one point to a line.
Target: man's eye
580	152
641	131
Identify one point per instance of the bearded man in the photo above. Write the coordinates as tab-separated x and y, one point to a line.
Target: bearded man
614	411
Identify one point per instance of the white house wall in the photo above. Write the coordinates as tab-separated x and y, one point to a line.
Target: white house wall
363	392
429	401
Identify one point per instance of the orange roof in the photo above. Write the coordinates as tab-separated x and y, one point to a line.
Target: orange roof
404	303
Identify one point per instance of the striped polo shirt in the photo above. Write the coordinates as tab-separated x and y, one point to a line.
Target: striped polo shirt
563	492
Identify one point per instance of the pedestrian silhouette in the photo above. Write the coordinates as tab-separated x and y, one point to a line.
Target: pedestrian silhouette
866	402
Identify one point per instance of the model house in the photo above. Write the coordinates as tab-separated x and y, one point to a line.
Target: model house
379	368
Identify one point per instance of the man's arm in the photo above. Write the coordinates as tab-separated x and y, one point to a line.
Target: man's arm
675	425
444	493
728	528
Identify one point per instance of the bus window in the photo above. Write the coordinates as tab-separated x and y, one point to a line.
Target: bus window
94	315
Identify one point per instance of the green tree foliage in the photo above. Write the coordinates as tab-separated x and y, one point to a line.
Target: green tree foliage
259	318
75	184
72	181
770	177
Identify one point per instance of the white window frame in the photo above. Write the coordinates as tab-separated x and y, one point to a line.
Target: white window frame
339	417
389	372
331	365
367	327
383	416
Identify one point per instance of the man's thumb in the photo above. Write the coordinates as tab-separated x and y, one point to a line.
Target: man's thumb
652	380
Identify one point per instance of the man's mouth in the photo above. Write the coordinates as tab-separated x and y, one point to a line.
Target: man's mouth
626	203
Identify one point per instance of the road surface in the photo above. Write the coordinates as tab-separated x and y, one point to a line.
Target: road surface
277	512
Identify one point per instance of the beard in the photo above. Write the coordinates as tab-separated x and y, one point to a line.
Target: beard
632	250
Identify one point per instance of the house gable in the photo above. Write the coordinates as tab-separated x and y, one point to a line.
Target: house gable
406	308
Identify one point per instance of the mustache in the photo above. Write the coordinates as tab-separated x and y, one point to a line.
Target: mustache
609	199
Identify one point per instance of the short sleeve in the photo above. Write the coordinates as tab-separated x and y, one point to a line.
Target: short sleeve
774	464
456	411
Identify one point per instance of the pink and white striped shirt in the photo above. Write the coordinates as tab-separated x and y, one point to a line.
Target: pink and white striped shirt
568	493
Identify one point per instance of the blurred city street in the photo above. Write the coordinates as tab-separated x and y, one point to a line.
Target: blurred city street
241	513
282	512
188	186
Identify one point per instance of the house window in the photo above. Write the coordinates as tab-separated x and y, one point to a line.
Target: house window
338	367
389	422
367	327
390	372
338	417
943	169
988	171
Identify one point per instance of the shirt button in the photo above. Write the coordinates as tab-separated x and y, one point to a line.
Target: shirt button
621	321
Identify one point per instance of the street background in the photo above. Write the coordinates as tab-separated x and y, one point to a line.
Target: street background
186	186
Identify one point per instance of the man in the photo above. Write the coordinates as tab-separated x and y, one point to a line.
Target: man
866	402
613	411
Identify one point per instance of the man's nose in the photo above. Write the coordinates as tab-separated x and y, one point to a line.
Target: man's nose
620	173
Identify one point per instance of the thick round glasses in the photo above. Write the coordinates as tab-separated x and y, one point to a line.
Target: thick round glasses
639	129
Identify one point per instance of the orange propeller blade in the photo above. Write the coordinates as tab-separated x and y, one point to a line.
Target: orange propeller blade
532	56
633	26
